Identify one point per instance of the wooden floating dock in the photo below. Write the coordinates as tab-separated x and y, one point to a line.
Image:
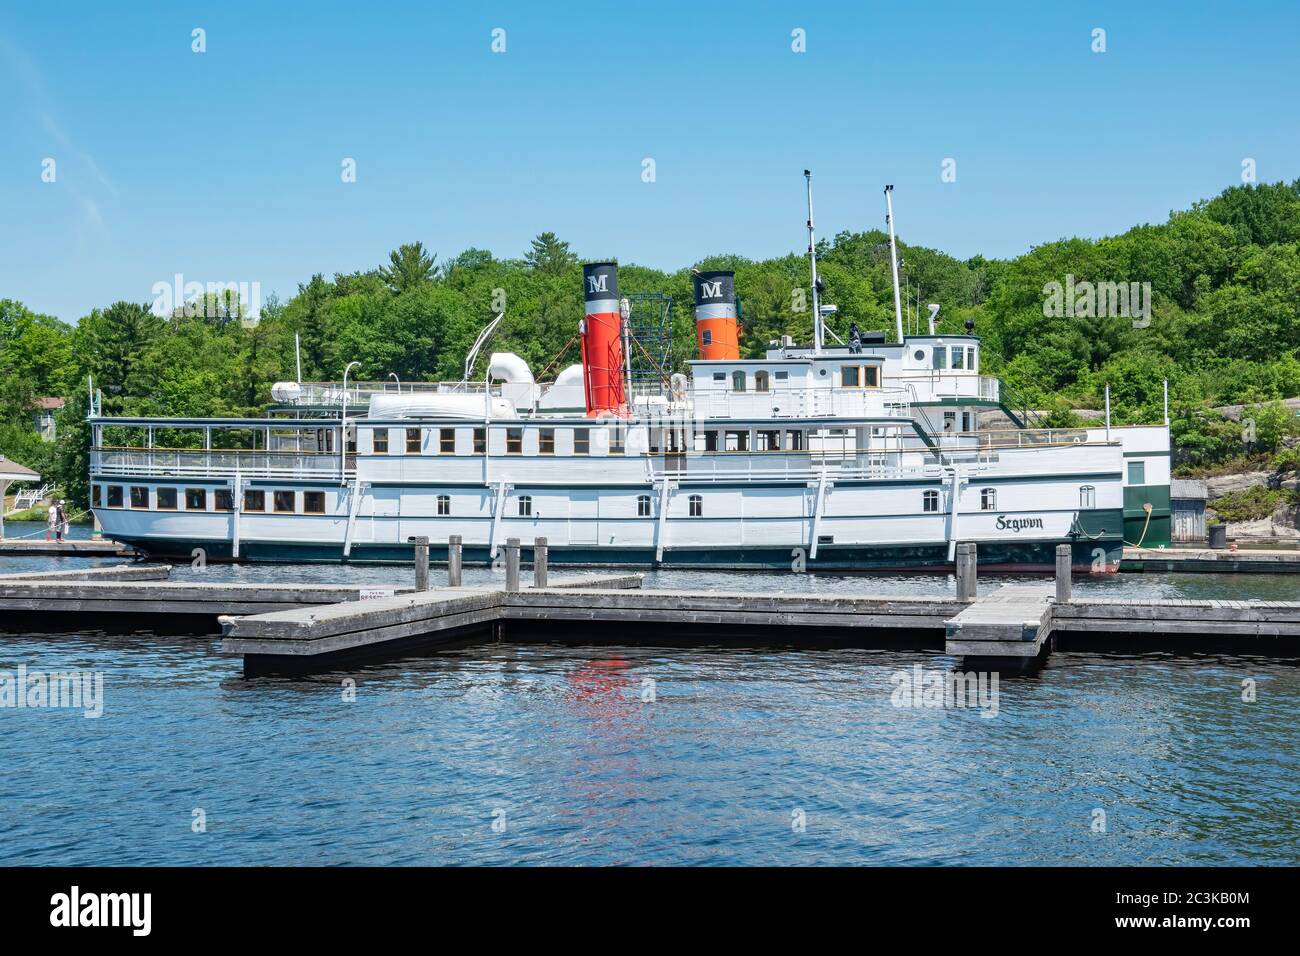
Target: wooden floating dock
70	547
1212	561
1012	622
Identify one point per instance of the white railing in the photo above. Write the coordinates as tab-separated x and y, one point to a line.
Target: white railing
781	467
224	463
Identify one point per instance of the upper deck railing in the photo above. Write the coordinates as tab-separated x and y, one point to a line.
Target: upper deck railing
217	463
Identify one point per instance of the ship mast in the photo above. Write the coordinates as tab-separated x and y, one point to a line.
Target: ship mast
812	256
893	261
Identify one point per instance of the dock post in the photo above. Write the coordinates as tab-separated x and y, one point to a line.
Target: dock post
454	556
512	564
966	571
421	543
1064	554
539	562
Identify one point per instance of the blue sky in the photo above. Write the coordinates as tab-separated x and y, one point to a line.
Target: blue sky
225	165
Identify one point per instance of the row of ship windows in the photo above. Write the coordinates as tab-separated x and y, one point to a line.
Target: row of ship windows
313	502
711	440
196	499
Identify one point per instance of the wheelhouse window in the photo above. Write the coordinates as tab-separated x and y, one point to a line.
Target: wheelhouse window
849	375
413	441
989	499
760	381
444	505
970	359
514	441
381	441
582	441
930	502
525	506
139	496
223	499
115	496
939	357
958	358
859	376
738	381
285	502
165	499
1137	472
254	500
643	506
446	441
196	499
480	441
546	441
1088	496
313	502
696	506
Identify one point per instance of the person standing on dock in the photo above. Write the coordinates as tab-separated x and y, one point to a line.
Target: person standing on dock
63	521
52	523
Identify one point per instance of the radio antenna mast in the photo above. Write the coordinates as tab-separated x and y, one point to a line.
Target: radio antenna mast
812	258
893	261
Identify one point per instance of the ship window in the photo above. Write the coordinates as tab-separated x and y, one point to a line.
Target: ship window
480	441
930	501
850	376
643	506
413	441
719	376
760	381
958	358
738	381
706	337
313	502
939	356
546	441
444	504
582	441
769	440
223	499
139	496
1088	496
710	441
870	376
970	359
285	502
446	441
196	499
381	441
165	499
696	506
616	446
794	440
1137	472
737	440
949	421
94	496
966	422
514	441
254	500
115	496
782	376
525	505
989	499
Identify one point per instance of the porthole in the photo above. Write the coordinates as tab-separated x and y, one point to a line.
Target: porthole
919	355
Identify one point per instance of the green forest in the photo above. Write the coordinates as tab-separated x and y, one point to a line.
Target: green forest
1224	328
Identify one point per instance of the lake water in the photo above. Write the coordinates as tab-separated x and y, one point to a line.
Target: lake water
539	753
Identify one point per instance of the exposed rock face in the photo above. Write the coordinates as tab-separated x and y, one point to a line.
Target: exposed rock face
1267	527
1221	485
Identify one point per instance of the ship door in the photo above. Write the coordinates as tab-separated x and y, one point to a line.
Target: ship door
582	517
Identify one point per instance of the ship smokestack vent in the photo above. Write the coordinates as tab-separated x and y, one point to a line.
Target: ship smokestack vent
717	330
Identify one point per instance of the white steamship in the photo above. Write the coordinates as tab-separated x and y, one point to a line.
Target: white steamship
870	454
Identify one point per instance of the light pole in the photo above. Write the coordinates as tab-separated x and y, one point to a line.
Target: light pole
343	427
